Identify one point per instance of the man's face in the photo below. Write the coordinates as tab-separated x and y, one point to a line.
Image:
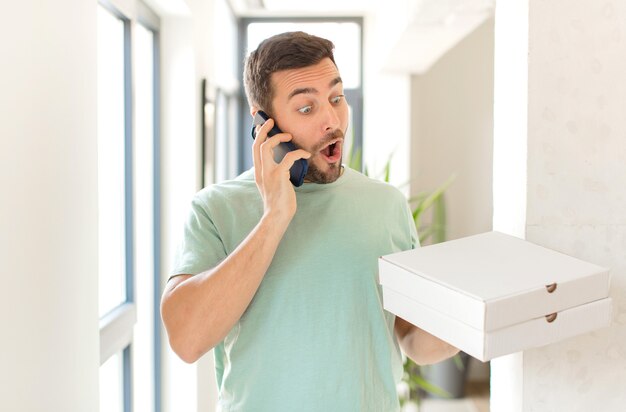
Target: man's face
309	103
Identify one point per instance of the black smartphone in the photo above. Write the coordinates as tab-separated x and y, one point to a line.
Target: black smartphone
300	167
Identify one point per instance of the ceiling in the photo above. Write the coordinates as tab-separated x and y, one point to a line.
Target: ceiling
429	28
299	7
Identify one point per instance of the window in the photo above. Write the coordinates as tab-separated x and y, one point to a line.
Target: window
347	36
226	153
117	312
111	387
111	161
128	189
146	370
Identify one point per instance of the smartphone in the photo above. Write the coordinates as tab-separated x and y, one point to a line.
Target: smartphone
300	167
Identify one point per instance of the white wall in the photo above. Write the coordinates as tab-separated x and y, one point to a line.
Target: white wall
577	187
509	167
193	47
452	131
179	166
49	343
451	118
387	99
576	192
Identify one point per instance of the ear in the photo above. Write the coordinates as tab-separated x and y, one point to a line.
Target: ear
253	110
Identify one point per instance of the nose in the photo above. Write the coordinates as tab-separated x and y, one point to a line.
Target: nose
331	118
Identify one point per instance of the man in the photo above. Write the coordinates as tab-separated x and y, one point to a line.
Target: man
282	281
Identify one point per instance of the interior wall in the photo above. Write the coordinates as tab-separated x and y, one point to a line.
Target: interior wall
49	215
387	99
193	47
451	118
509	167
178	163
452	131
576	190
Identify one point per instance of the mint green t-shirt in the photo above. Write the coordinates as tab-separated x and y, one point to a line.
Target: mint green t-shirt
315	337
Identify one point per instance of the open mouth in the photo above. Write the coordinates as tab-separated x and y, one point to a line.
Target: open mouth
332	152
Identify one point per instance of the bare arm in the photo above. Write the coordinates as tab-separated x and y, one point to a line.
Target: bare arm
419	345
199	311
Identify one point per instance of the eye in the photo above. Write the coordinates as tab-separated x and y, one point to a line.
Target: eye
305	109
337	99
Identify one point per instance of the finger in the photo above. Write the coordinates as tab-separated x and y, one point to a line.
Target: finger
267	153
275	140
256	161
291	157
261	135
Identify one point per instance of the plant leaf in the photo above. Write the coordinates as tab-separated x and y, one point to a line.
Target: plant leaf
388	168
429	387
458	362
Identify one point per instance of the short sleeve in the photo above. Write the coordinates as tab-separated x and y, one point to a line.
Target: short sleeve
201	247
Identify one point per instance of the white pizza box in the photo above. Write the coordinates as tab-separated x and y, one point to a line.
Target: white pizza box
493	294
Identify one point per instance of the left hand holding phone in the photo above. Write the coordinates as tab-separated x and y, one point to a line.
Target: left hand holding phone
272	179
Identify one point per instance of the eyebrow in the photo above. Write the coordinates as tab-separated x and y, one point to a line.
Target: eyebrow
312	90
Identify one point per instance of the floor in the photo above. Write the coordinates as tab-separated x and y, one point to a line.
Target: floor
478	393
476	400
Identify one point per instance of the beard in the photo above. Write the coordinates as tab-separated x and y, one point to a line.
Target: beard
315	174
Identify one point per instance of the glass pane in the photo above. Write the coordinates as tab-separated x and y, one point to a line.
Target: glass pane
143	164
112	384
112	285
222	141
346	37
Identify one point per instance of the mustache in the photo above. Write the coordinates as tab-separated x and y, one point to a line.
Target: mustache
335	134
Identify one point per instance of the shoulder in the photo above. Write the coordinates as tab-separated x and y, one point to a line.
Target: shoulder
375	187
241	188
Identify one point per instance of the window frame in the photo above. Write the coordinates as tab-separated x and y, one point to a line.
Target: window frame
354	96
116	326
150	20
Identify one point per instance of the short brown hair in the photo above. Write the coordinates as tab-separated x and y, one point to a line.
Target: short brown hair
291	50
